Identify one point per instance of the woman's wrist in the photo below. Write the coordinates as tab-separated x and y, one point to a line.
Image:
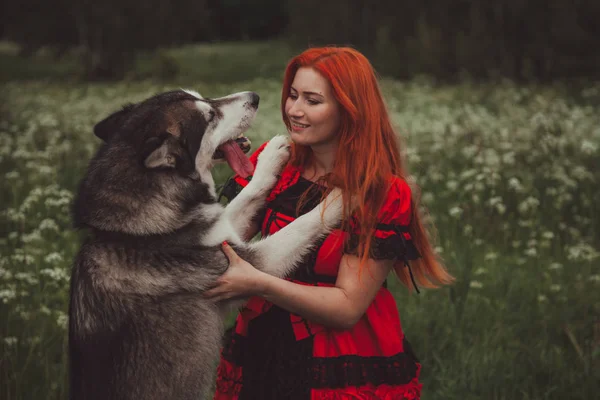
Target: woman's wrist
261	283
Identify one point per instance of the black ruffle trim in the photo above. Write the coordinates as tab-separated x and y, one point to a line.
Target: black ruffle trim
295	367
393	247
347	371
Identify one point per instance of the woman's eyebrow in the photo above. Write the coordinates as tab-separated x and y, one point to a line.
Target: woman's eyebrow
307	92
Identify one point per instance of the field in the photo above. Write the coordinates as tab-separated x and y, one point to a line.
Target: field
509	175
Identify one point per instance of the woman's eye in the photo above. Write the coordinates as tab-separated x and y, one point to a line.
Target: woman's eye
293	96
312	102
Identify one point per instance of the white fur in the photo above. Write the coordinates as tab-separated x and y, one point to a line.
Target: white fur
193	93
211	212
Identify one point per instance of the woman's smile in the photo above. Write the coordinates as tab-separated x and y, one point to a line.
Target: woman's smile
298	127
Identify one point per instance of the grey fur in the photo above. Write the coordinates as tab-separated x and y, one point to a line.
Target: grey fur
139	326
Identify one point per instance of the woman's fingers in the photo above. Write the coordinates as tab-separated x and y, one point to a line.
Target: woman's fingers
229	252
217	293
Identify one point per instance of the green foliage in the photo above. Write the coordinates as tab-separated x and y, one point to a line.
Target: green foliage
508	173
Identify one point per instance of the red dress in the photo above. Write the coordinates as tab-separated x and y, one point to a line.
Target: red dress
273	354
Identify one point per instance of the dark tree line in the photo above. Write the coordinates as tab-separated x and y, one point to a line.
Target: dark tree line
521	39
111	31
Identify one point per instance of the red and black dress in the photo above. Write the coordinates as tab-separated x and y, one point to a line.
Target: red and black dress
271	353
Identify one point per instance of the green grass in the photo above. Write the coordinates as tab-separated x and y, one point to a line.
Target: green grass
509	174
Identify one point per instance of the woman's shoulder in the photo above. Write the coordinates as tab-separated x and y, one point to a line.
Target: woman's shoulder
399	189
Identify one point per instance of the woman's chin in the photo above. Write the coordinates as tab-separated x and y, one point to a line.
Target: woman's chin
299	138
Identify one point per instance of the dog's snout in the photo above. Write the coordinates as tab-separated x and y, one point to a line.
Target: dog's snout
254	99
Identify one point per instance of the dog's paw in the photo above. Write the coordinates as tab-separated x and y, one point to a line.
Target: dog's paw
273	158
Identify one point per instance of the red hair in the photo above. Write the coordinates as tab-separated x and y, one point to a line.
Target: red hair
368	154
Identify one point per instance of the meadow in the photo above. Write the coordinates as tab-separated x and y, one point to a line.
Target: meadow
509	175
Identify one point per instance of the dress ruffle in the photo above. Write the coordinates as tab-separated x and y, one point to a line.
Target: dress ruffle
410	391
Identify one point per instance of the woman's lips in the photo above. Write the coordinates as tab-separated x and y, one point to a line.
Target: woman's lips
296	126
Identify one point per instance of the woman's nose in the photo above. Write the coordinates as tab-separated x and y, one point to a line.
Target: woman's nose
295	110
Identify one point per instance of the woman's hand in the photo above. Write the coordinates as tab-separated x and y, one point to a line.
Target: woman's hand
240	280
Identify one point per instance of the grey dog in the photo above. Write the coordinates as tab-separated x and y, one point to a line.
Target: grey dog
139	326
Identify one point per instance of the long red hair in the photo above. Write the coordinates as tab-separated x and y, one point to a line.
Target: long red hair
368	154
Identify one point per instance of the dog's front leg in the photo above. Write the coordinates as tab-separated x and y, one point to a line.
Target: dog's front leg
281	252
251	199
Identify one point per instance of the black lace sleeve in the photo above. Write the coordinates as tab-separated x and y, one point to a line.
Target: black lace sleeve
392	247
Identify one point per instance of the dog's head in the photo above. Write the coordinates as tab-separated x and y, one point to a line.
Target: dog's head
184	132
154	166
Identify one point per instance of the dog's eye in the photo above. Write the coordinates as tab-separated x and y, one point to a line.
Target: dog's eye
211	115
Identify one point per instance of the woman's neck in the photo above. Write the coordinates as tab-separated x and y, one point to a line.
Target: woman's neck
323	158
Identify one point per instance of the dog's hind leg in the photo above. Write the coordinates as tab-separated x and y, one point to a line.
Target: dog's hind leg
281	252
251	199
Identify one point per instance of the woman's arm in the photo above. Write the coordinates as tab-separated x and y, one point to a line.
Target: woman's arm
338	307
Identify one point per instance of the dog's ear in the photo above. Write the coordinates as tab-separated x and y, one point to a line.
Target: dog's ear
106	128
160	152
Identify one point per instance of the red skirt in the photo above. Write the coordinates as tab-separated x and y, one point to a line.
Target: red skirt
273	354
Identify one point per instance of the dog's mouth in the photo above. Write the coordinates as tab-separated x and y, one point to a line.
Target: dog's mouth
234	152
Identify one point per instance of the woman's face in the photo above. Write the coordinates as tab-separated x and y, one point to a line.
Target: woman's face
312	109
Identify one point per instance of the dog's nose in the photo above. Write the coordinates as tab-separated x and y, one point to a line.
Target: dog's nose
254	99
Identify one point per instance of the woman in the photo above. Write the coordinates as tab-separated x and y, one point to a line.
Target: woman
332	331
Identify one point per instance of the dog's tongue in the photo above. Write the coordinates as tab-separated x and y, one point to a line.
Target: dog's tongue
236	159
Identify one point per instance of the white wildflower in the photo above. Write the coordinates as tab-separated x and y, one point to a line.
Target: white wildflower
476	284
531	252
582	252
588	147
542	298
467	230
27	278
48	224
7	294
555	266
12	175
529	204
452	185
548	235
56	274
34	236
515	184
62	320
53	258
456	212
